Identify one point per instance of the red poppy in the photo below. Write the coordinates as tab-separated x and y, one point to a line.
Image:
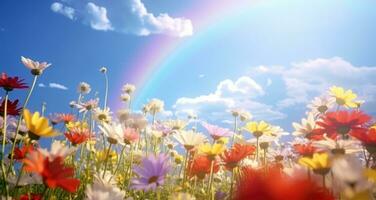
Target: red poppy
77	135
12	108
342	123
31	197
256	185
200	166
305	150
10	83
20	153
236	154
53	172
66	118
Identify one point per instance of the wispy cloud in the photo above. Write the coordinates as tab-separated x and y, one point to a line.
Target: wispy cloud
57	86
125	16
239	94
53	86
62	9
305	80
201	75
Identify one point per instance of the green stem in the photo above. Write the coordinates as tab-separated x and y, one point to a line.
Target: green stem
235	128
210	185
118	164
105	161
4	125
185	167
5	179
129	171
257	149
106	91
20	119
232	182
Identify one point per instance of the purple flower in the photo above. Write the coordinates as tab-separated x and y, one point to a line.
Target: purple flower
151	172
163	128
217	132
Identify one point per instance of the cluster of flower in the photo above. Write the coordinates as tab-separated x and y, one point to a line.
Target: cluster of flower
97	155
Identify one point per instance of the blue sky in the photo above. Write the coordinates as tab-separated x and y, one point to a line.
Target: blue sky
270	59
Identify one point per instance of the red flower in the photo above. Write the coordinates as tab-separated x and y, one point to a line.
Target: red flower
53	172
236	154
32	197
343	123
368	138
11	108
77	135
20	153
10	83
306	150
200	166
66	118
257	185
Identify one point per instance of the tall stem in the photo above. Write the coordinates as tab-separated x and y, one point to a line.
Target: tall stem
106	91
185	166
4	125
105	161
210	185
235	130
20	118
257	149
129	172
232	183
130	104
118	164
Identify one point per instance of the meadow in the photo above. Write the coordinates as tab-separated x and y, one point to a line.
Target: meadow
97	153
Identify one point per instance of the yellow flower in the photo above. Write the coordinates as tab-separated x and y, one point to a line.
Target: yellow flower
102	155
38	126
258	128
370	174
344	97
212	150
319	163
178	159
78	124
222	140
181	196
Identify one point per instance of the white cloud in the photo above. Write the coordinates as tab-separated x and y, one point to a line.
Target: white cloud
162	23
64	10
97	17
57	86
304	80
41	85
126	16
201	75
228	95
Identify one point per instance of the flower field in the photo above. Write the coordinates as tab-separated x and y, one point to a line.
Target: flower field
96	153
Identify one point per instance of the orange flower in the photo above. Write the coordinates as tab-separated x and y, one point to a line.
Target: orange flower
305	150
236	154
200	166
256	185
53	172
66	118
78	135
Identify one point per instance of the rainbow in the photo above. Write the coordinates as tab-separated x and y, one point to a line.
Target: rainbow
155	59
